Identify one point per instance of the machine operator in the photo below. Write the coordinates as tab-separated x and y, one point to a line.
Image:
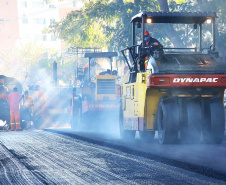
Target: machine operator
149	41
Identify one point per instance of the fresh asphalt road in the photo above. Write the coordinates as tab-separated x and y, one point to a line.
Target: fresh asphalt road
67	157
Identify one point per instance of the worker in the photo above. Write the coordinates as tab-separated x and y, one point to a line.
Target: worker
28	108
3	91
153	43
41	103
76	109
14	101
150	41
114	72
108	72
28	101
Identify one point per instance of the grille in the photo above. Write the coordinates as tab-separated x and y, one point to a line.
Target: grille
105	86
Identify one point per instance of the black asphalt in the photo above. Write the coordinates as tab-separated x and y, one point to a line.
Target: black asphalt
65	157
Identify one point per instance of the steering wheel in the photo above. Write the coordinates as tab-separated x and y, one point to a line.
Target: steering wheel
147	50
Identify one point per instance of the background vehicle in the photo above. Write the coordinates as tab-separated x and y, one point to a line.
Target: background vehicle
57	107
51	109
97	103
181	93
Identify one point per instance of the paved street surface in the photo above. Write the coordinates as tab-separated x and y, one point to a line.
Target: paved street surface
48	157
208	155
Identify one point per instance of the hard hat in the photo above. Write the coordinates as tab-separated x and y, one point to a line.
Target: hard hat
146	33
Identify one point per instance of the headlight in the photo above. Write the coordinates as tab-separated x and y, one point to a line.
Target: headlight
149	20
208	21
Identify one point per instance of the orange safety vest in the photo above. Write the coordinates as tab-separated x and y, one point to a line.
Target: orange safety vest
2	96
14	101
146	59
28	101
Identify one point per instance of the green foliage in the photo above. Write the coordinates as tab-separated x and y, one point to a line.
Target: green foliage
31	63
106	23
101	23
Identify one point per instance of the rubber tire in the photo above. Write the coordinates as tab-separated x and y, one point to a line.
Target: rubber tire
23	125
147	135
75	122
168	120
26	116
125	134
5	112
37	123
191	130
214	125
76	119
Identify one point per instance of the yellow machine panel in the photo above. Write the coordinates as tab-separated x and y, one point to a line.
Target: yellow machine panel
139	103
105	87
151	107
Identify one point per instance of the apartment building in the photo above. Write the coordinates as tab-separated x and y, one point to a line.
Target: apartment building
22	21
9	24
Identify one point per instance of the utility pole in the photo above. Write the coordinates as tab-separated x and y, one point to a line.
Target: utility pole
55	73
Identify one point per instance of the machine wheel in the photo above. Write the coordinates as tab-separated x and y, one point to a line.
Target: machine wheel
5	113
191	129
75	122
38	121
25	118
23	125
168	120
147	135
214	125
76	118
125	134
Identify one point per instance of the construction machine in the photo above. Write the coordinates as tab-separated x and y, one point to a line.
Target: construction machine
179	96
97	103
6	87
51	102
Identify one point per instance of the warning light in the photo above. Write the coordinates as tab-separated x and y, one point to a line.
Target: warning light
149	20
208	21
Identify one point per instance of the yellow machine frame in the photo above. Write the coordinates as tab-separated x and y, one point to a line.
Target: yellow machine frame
140	103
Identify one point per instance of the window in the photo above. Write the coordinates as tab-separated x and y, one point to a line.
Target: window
40	38
52	21
77	4
44	38
74	3
53	37
25	36
39	21
9	37
24	4
7	3
37	4
52	6
25	20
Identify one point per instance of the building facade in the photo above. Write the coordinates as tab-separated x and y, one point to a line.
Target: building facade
22	21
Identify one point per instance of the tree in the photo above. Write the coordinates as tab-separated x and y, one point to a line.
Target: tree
31	63
111	18
211	5
106	23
